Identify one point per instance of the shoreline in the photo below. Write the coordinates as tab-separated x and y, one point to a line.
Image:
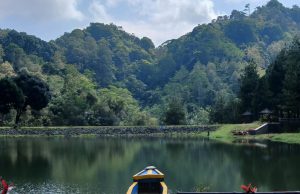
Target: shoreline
221	132
104	131
224	133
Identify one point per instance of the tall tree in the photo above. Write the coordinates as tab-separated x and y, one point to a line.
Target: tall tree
262	95
247	9
104	65
291	82
11	96
249	81
75	99
36	92
282	76
175	113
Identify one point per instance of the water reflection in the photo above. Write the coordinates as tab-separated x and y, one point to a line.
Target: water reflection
105	165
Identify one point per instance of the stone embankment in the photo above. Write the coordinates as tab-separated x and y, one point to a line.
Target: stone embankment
103	131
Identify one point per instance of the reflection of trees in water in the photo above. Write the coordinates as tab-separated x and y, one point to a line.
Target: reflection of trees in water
175	149
198	162
78	161
223	167
273	168
92	160
22	160
109	163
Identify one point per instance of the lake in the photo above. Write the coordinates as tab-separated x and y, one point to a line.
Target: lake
106	165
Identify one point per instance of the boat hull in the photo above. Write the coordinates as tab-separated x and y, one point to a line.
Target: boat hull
145	187
148	181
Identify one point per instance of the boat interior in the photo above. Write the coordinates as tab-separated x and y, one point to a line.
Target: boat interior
149	188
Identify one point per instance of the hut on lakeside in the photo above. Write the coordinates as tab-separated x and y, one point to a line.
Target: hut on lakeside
247	117
265	115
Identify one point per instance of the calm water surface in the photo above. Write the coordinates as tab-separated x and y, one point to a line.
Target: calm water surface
106	165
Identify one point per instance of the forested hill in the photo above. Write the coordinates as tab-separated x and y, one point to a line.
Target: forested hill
238	36
107	50
118	73
226	44
87	71
203	67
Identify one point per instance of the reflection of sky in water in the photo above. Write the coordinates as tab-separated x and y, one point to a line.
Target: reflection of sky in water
106	165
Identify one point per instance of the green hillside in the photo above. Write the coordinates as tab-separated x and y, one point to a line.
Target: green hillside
102	75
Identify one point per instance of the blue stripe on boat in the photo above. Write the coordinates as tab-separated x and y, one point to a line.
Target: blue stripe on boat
135	190
144	173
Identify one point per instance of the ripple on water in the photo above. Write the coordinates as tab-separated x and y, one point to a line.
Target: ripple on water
47	188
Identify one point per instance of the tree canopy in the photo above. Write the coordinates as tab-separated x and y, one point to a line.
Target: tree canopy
22	91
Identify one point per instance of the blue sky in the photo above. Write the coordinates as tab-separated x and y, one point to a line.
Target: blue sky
159	20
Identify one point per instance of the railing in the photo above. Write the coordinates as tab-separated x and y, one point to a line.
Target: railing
289	119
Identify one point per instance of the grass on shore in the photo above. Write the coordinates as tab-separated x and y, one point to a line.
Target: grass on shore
224	133
291	138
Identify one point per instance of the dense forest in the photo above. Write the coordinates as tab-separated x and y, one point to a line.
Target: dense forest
102	75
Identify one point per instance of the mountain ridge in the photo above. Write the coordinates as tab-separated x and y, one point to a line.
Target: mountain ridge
199	69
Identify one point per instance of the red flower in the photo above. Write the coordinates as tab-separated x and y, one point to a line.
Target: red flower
249	188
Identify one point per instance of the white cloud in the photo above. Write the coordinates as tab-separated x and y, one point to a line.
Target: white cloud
112	3
158	33
160	20
40	11
99	12
175	10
